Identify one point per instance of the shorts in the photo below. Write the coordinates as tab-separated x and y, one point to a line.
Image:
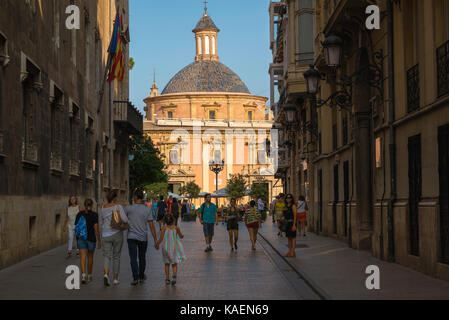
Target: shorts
301	217
278	215
233	225
254	225
208	229
84	244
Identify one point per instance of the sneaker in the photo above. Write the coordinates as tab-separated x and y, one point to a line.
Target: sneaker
173	282
116	282
89	278
235	246
135	283
83	279
106	281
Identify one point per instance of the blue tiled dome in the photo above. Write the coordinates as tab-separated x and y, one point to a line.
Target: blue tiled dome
205	76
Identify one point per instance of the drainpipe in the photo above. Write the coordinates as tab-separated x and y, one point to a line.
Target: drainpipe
392	146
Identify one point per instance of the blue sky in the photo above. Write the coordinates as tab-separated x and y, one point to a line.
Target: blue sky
162	38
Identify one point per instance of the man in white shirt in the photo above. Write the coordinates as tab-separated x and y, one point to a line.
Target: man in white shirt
260	205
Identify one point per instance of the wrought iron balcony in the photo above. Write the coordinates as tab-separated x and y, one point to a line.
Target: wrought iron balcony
129	118
413	89
443	69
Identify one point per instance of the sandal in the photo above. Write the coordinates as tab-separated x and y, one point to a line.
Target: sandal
167	282
173	281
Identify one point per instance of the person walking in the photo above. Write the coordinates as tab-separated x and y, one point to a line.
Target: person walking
290	219
161	211
154	209
69	225
272	208
208	218
172	250
253	222
279	212
112	239
183	209
169	203
302	215
260	205
175	210
232	222
87	233
139	217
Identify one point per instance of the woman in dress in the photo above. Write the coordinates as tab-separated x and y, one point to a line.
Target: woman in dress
253	221
112	239
290	219
69	224
232	219
172	250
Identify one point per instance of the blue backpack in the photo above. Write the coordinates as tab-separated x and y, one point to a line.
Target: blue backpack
81	228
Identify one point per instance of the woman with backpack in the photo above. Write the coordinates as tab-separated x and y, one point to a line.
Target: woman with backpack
69	223
112	236
87	233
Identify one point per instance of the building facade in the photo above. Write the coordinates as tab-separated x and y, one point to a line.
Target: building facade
61	133
292	45
377	130
206	113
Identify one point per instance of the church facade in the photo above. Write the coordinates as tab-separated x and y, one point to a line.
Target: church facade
207	114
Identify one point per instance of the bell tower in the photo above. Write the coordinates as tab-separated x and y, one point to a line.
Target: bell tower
206	38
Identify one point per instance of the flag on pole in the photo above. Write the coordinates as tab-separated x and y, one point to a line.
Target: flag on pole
116	65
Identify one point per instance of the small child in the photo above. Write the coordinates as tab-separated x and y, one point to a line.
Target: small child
172	250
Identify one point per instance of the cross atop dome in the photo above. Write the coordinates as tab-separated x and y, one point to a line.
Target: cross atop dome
205	6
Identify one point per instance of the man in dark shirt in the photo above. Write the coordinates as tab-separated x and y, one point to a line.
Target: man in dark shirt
87	247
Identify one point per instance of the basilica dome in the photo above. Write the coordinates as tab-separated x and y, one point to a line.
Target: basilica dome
206	76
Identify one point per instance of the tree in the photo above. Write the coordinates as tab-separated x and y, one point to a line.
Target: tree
259	190
190	190
157	189
147	166
236	186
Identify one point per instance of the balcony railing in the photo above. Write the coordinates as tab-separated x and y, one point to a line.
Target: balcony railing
131	120
443	69
413	88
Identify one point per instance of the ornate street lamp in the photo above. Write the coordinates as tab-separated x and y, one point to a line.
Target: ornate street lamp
216	168
313	77
290	111
333	47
